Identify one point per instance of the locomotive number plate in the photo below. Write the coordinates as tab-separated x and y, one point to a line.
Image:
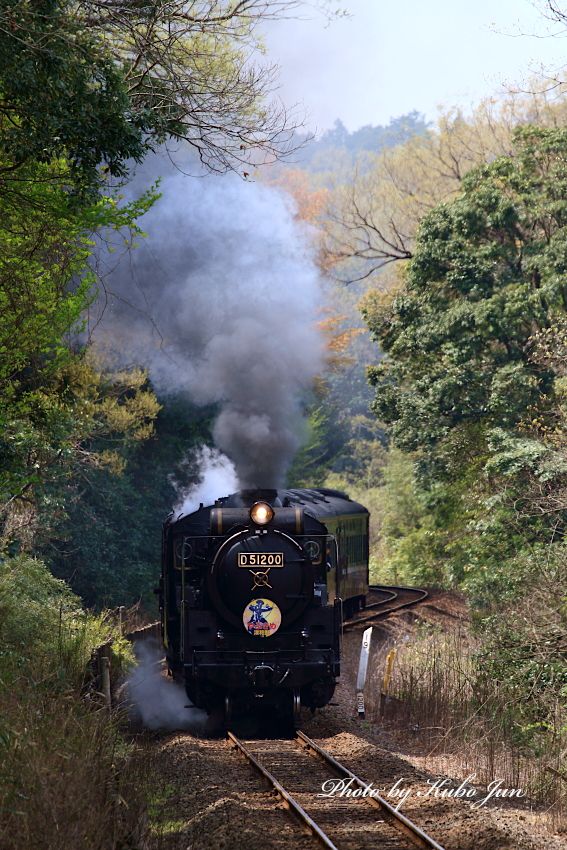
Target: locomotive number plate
260	559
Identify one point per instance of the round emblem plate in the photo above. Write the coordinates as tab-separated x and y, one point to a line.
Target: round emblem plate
261	618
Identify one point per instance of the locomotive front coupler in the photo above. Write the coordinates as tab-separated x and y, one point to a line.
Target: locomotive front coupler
263	676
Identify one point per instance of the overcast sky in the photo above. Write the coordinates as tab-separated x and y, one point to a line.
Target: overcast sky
393	56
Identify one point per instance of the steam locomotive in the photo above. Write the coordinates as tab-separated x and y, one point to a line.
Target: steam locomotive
253	592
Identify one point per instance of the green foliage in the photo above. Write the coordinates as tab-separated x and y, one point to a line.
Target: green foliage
472	383
45	286
337	146
33	604
324	441
67	97
107	543
80	420
523	648
47	226
45	635
61	762
462	533
45	243
406	549
46	240
85	91
474	491
342	438
488	272
422	537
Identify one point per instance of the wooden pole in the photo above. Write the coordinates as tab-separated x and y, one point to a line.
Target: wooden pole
104	669
386	680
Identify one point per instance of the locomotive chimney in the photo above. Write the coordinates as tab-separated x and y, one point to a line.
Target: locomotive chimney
260	495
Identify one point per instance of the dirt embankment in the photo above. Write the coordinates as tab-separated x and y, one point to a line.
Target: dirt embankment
206	796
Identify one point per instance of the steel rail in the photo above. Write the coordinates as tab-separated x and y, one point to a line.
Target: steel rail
375	615
416	835
289	801
383	587
391	594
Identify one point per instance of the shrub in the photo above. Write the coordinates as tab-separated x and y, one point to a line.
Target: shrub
66	777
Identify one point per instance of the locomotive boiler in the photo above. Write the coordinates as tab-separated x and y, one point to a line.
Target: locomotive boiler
253	592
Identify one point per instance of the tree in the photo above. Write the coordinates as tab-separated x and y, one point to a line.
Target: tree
85	89
78	421
189	73
374	218
103	81
488	272
63	101
51	399
337	148
106	542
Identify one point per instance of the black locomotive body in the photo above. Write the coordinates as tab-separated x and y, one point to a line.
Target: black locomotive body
252	595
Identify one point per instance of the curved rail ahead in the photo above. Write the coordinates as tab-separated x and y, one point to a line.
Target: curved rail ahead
387	606
390	594
388	813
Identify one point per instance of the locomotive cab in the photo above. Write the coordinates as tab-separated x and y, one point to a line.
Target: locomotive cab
251	605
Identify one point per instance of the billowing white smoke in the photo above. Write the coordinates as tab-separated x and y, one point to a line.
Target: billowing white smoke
220	301
217	478
160	703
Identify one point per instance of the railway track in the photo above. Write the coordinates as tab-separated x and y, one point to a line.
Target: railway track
396	598
296	770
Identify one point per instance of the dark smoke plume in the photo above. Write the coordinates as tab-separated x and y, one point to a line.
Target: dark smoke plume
220	301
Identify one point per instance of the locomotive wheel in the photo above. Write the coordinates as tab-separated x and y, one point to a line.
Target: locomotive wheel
296	708
288	712
228	709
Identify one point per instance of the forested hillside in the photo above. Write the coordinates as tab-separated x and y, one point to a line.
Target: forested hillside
440	392
86	446
452	246
91	461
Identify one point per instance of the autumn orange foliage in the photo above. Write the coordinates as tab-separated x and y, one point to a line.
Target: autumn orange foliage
311	203
338	341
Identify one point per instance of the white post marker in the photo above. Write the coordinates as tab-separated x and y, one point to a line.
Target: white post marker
362	669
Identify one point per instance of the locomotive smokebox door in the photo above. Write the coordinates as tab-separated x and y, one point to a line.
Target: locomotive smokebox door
250	566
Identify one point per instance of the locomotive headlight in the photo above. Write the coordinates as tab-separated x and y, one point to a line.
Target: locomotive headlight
261	513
